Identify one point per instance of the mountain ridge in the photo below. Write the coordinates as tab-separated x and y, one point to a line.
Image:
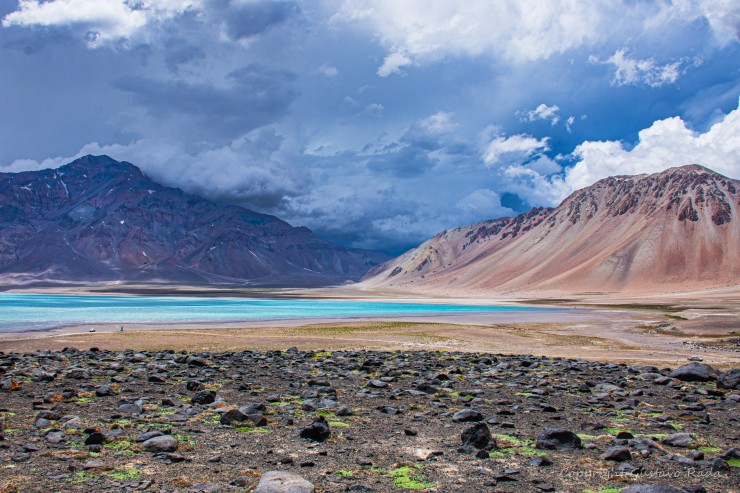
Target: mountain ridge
675	230
97	219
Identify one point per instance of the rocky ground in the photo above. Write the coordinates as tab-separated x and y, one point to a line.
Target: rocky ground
361	421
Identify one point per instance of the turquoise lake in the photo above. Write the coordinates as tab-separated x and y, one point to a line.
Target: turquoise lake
25	312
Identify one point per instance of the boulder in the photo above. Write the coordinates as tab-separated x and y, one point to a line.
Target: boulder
164	443
694	372
283	482
558	439
729	379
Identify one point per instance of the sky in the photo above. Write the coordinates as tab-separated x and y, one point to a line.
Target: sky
377	124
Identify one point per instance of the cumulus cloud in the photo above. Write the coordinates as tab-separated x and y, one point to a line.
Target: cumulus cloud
635	71
242	172
105	21
543	112
503	150
666	143
482	204
417	31
393	63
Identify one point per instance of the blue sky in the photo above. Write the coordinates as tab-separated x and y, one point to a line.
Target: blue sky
375	123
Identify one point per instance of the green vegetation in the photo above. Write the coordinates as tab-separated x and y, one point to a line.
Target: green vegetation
409	478
710	450
734	462
511	445
339	424
119	445
345	474
124	474
185	439
250	429
606	489
81	477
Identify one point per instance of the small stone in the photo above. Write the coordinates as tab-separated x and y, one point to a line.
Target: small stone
204	397
129	408
317	431
479	437
96	438
678	440
143	437
377	384
467	416
557	439
617	454
344	411
652	488
164	443
540	461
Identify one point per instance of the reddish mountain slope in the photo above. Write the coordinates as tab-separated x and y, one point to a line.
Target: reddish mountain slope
99	219
677	230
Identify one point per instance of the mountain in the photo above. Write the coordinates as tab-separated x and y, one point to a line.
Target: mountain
97	219
677	230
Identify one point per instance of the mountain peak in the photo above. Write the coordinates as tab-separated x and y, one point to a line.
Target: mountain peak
675	230
101	219
100	164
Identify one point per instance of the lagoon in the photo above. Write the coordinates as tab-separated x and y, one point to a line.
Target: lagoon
28	312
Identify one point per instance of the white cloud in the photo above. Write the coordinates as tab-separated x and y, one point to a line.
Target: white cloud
543	112
328	70
393	63
482	204
665	144
415	31
241	172
515	29
107	20
634	71
438	123
509	150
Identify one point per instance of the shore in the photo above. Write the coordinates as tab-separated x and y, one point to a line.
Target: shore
662	329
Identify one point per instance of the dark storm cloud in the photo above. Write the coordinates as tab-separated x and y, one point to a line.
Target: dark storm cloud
251	97
245	20
379	132
409	162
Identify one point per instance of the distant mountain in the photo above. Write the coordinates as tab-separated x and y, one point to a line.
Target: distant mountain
97	219
677	230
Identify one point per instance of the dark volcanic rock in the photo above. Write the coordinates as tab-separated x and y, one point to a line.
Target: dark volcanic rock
617	454
203	397
558	439
694	372
479	437
318	431
467	415
678	440
99	219
164	443
389	435
729	379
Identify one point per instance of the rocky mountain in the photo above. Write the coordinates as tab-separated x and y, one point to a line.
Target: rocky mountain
97	219
678	230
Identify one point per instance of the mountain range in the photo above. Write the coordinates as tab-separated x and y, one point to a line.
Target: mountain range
677	230
97	219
